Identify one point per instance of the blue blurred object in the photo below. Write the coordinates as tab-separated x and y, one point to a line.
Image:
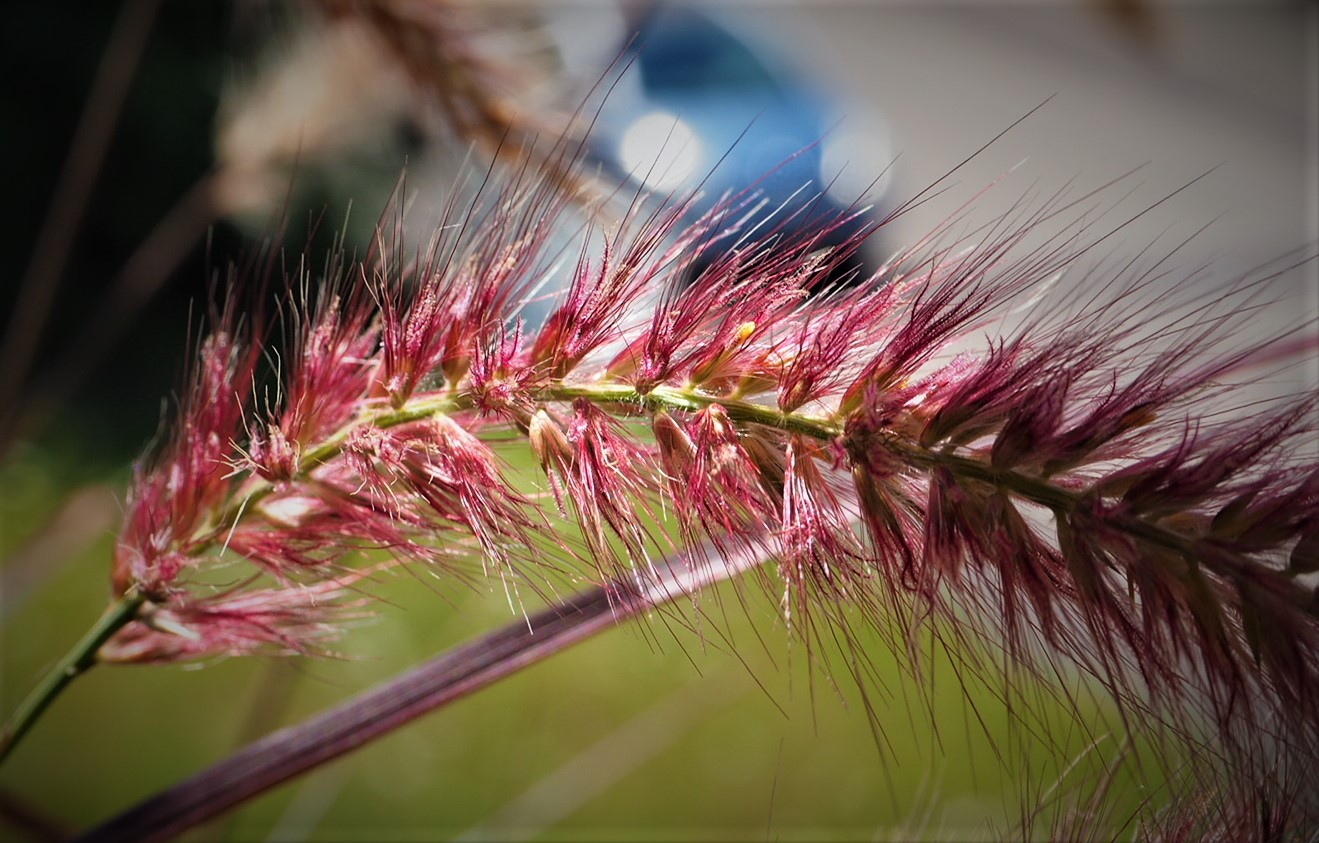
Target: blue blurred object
702	107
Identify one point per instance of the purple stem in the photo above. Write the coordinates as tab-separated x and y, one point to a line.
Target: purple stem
464	670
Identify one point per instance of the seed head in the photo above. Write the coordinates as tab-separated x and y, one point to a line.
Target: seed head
1076	476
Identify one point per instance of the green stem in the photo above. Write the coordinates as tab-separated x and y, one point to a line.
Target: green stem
669	398
603	393
1058	499
75	662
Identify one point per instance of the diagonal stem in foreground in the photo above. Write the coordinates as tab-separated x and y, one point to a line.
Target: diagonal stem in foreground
393	704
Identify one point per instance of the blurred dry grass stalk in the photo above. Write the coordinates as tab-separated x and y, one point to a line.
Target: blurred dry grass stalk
480	76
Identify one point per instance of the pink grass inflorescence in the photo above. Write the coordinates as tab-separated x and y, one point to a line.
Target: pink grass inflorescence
950	442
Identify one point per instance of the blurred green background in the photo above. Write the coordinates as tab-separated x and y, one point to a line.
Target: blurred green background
647	732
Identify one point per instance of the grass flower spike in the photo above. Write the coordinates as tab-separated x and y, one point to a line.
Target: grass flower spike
951	445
